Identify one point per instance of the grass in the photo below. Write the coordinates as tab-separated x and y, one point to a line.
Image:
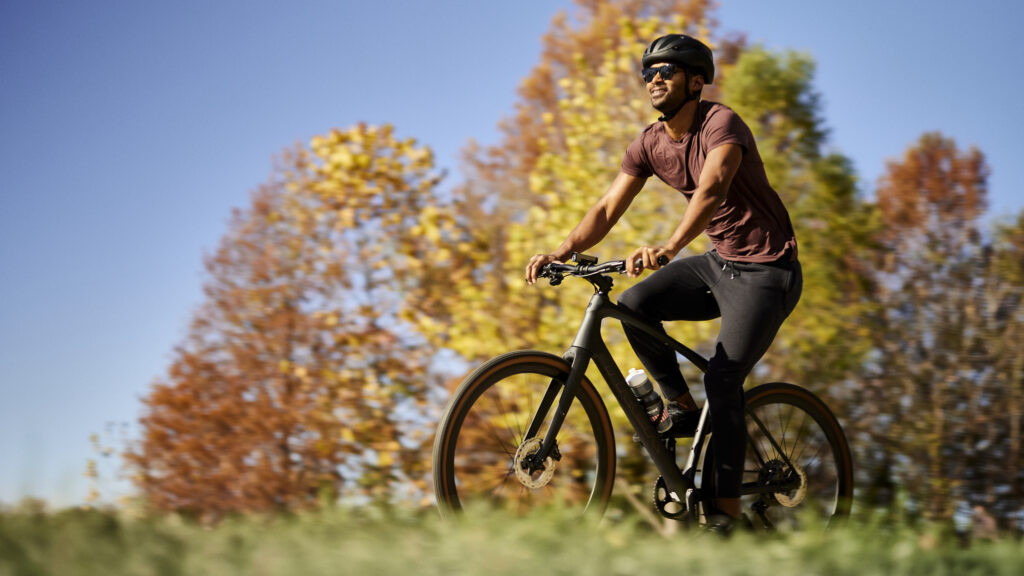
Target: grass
374	542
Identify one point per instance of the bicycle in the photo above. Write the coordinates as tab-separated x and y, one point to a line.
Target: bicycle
529	429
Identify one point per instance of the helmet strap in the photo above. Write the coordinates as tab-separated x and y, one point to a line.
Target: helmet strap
689	96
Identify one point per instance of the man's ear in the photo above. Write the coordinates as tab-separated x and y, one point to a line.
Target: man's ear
696	83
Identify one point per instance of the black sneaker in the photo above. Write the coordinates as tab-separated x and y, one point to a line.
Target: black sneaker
725	525
684	422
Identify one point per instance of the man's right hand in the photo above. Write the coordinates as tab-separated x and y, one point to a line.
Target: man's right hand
533	268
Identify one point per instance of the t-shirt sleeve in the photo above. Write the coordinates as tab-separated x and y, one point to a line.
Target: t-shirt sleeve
635	161
726	127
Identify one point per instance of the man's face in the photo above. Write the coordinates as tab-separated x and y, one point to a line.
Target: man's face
668	93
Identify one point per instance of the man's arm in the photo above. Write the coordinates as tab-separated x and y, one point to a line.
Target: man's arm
720	166
595	225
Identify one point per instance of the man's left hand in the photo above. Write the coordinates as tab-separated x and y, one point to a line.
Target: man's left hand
647	257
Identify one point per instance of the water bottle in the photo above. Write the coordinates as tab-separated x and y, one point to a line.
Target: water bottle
651	401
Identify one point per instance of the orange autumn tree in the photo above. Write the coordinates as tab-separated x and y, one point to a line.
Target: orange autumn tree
297	383
928	396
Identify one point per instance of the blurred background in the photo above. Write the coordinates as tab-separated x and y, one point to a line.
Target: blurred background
247	248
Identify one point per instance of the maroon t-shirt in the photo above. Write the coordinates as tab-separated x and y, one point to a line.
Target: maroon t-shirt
751	225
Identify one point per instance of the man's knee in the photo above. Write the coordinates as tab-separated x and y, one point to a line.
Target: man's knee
723	392
723	382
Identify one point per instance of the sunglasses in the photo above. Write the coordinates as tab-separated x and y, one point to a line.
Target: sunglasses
666	71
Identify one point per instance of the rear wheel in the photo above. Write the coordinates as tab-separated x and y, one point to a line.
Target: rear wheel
484	443
796	444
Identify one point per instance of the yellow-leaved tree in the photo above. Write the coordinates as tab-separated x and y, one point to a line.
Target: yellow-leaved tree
564	149
581	108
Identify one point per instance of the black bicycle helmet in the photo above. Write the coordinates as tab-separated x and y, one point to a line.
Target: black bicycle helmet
683	50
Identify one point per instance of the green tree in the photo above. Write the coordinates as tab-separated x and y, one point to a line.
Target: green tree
825	340
773	93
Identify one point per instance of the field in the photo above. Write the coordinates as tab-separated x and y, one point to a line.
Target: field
372	542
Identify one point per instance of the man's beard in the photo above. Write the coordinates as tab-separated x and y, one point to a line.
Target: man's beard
672	101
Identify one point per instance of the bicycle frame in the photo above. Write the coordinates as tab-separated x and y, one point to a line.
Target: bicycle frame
590	346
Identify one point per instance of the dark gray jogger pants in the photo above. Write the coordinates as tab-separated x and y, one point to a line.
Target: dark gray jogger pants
752	300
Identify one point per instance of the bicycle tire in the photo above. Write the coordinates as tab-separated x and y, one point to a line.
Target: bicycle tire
802	427
482	430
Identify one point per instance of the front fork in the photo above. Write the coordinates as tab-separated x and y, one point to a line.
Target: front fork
661	452
580	360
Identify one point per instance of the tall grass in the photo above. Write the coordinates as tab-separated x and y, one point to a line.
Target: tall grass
374	542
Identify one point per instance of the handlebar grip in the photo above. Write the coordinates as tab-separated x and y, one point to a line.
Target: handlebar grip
639	264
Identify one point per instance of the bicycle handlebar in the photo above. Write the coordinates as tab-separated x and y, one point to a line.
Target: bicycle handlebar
556	271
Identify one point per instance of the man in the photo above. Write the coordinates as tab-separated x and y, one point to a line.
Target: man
751	278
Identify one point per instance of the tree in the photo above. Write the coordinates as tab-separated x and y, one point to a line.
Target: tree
773	92
565	149
298	382
579	109
931	386
1002	315
986	441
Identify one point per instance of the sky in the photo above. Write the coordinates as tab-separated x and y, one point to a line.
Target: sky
130	130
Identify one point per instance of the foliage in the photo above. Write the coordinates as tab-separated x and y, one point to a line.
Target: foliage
88	542
773	93
579	110
298	379
310	372
826	339
949	379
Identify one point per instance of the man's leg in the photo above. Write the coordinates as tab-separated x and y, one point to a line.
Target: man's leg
755	300
678	291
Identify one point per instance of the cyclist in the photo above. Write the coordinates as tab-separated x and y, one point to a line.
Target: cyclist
751	278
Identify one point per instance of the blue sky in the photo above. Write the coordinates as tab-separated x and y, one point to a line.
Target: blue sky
129	130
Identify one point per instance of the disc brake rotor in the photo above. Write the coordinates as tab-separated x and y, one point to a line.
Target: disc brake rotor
532	479
794	498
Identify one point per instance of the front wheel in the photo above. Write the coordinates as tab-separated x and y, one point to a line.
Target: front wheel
489	431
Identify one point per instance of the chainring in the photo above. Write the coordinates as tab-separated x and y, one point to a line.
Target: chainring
666	505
